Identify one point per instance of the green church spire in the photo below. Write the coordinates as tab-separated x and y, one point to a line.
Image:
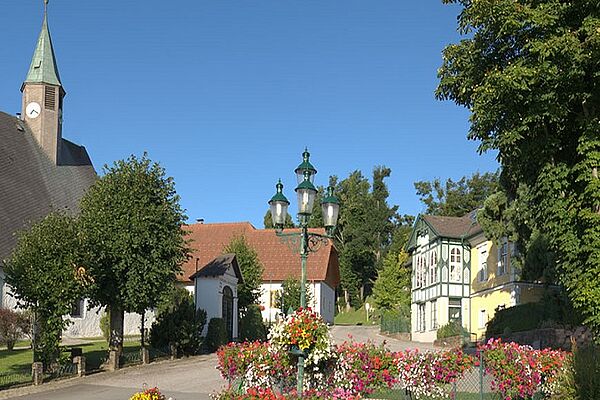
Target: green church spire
43	67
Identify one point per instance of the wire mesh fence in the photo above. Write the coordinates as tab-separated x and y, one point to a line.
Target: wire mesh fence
161	353
131	357
19	377
394	323
66	370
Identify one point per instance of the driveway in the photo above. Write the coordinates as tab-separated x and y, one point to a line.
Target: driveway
193	378
341	333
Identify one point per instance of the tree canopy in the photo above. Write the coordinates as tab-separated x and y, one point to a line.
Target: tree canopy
46	276
457	198
289	296
391	290
529	73
131	223
251	268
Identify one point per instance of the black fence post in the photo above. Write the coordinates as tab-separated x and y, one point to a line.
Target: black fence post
481	374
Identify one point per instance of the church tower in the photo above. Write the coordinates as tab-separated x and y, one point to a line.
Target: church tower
43	95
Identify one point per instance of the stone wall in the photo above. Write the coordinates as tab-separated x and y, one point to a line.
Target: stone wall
556	338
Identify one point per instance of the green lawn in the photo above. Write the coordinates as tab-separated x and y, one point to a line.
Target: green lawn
355	317
95	352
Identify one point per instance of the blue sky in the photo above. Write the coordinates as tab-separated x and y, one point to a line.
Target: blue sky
226	94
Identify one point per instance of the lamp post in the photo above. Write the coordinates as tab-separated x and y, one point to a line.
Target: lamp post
304	242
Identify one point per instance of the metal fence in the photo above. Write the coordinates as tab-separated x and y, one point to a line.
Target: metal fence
475	384
19	377
67	370
394	323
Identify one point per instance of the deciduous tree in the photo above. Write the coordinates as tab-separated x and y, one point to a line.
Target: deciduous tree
529	73
456	198
131	223
391	290
251	268
47	277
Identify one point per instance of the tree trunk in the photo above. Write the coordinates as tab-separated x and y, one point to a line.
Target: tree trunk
117	316
347	299
143	313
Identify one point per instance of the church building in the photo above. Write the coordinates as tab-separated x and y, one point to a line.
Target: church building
41	172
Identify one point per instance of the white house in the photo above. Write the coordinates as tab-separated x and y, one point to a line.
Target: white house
280	262
215	288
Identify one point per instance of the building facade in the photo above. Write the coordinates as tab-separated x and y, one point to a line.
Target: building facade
43	172
460	275
279	261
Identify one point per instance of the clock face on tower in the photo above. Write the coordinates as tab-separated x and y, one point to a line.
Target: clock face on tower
33	110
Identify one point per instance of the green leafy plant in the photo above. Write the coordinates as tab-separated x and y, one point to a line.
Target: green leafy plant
451	329
251	325
216	335
132	239
45	273
105	325
527	71
289	297
13	326
179	323
251	268
586	362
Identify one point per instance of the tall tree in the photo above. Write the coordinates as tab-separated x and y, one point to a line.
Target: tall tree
529	73
457	198
383	217
365	232
392	287
251	268
354	239
46	277
134	243
268	221
289	296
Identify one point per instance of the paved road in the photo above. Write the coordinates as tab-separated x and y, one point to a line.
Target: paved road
193	378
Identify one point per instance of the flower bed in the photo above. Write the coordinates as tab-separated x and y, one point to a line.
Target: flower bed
148	394
519	372
353	370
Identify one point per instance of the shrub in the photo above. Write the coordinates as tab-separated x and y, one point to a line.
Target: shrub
394	321
553	310
179	324
586	362
105	325
252	326
451	329
13	326
216	336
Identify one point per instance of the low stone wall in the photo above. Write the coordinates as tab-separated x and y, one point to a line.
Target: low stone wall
555	338
405	336
449	342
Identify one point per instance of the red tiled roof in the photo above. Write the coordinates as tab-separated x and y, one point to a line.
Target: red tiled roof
280	263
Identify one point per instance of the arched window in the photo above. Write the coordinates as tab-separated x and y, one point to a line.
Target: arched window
455	265
227	310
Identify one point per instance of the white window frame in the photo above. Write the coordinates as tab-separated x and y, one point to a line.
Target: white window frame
482	275
434	324
421	317
456	265
502	258
482	319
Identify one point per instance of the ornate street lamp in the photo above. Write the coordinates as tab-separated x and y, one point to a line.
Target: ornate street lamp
304	242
